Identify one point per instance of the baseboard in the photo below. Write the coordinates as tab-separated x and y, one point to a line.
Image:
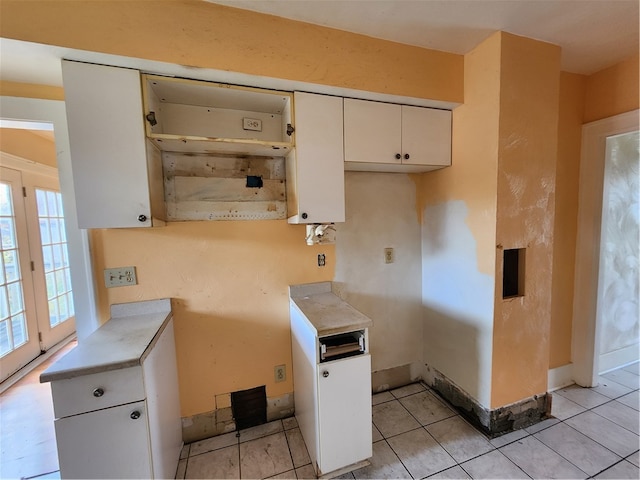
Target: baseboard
494	422
560	377
619	358
220	420
35	363
387	379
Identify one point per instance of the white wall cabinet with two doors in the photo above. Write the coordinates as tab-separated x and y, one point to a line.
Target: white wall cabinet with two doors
387	137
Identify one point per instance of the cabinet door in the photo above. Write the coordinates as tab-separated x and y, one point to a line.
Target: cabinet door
108	443
318	196
108	156
426	136
372	132
344	410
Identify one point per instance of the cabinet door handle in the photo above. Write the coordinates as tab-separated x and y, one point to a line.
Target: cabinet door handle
98	392
304	216
406	156
398	156
325	374
135	415
142	218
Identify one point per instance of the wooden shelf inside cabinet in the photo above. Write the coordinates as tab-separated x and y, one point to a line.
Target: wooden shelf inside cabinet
192	116
191	144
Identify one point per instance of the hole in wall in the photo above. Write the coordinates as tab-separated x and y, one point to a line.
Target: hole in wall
513	271
249	407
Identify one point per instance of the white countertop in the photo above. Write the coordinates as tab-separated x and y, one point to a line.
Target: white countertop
327	312
121	342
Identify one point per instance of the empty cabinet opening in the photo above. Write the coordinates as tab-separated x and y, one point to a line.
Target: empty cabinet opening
513	273
249	407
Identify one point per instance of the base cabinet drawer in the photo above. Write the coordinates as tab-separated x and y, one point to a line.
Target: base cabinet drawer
90	445
94	392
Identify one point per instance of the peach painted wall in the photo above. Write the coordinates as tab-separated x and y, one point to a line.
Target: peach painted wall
527	152
29	90
572	94
457	209
612	91
229	278
205	35
29	145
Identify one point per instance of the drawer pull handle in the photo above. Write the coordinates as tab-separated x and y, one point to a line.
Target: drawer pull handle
98	392
135	415
325	374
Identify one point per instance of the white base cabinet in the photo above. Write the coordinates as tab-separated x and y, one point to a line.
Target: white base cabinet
122	423
332	401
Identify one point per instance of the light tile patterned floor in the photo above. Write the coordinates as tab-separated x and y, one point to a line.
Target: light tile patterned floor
416	435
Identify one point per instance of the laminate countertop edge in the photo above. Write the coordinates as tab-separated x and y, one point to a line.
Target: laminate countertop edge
123	341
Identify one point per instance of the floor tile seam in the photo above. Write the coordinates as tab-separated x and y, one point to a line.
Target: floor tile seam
291	453
615	423
565	458
419	422
611	466
584	435
561	456
237	444
517	439
486	453
608	399
398	457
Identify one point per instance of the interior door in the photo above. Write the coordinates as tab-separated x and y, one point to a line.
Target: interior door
18	325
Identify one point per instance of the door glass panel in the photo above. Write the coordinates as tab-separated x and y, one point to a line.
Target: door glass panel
55	256
13	331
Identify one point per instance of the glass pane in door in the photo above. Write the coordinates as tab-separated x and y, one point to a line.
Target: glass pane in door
13	331
55	256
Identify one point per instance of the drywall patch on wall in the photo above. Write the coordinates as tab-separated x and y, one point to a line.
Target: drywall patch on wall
380	213
457	301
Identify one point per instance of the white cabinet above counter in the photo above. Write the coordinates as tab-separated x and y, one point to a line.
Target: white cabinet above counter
386	137
148	149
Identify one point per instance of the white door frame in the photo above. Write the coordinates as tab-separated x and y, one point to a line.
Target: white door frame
585	343
53	111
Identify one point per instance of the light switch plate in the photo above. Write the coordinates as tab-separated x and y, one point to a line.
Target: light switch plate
120	277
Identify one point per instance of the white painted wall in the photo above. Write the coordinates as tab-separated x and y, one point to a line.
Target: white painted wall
380	213
457	301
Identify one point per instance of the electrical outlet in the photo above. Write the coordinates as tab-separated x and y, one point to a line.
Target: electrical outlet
321	260
388	255
120	277
280	373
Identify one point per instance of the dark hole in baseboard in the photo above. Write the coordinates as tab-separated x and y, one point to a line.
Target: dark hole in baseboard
249	407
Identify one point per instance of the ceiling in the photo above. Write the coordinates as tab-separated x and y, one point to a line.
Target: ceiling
593	34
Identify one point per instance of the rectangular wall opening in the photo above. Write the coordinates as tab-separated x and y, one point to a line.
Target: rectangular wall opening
513	273
249	407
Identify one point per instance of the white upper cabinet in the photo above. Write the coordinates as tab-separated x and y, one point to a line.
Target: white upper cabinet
387	137
315	170
109	157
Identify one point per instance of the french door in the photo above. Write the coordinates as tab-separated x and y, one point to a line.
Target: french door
36	299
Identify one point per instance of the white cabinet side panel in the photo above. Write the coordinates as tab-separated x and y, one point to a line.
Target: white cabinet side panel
320	157
107	143
372	131
426	136
163	404
104	444
344	397
303	347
